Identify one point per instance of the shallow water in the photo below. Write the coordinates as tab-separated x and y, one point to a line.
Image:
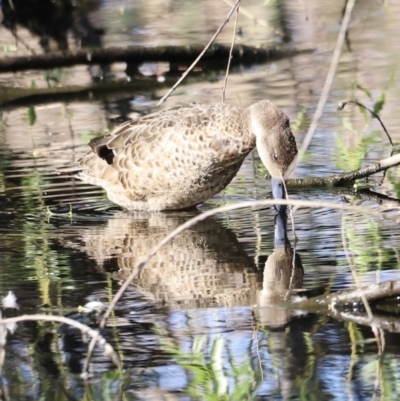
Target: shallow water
214	293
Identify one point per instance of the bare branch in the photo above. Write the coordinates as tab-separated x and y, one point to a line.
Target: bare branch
164	98
341	179
230	55
327	86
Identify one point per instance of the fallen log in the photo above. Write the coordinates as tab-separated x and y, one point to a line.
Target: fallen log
241	54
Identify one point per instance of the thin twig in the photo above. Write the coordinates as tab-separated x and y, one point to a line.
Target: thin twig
96	336
327	86
340	179
295	241
223	209
379	387
255	336
258	21
164	98
342	105
20	40
354	272
230	55
358	285
89	354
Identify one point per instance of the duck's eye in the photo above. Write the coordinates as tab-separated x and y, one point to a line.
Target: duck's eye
275	156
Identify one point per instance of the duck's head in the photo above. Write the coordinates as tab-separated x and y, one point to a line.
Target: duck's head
275	143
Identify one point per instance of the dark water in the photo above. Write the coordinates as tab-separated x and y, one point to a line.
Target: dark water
205	318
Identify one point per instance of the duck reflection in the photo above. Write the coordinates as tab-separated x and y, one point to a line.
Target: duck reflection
202	267
283	274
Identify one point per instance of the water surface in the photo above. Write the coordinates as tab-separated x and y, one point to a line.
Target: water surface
204	319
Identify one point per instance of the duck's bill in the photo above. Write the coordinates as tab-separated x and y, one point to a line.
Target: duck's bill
278	192
280	230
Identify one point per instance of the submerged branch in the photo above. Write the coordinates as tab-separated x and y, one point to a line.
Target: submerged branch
137	54
95	334
337	304
385	322
344	178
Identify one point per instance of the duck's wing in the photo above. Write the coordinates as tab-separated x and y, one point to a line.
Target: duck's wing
168	150
137	130
193	131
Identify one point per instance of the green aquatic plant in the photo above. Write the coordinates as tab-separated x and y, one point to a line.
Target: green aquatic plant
366	245
10	48
350	158
31	114
301	121
214	377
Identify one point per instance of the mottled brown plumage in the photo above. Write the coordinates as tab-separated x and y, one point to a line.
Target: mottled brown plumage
180	157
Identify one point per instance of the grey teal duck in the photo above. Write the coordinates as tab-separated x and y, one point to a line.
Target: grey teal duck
180	157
